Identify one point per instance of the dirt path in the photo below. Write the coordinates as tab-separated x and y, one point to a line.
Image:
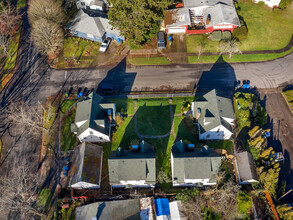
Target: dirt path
281	123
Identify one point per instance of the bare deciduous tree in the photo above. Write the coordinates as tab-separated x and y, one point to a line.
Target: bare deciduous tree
192	209
4	44
49	10
29	118
47	36
9	18
230	47
18	194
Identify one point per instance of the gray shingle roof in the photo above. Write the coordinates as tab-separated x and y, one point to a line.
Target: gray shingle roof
88	164
93	113
177	17
97	26
122	209
131	165
213	109
246	166
193	164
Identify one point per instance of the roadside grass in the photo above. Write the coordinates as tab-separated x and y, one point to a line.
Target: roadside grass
238	57
289	96
68	139
44	198
21	4
149	61
267	30
10	61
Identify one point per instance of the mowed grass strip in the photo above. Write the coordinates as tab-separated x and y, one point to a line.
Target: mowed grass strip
149	61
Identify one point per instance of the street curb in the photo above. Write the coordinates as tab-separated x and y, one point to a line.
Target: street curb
287	103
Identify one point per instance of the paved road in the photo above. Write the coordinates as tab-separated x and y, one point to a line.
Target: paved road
281	124
271	74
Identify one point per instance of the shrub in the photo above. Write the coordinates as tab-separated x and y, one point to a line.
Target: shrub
226	35
187	194
244	203
284	4
216	35
240	33
261	3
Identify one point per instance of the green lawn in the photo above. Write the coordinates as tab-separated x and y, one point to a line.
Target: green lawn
21	4
153	116
10	62
67	104
238	57
267	30
79	47
149	61
68	139
289	96
44	198
123	105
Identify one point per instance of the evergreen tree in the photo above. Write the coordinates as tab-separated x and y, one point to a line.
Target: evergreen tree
137	20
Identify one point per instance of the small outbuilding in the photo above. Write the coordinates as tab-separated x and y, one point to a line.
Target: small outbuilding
246	170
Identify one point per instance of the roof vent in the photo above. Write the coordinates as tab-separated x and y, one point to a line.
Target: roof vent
119	152
205	150
191	147
134	148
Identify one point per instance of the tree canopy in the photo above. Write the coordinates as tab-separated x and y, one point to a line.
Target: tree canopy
137	20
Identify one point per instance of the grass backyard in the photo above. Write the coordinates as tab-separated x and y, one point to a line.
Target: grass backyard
267	29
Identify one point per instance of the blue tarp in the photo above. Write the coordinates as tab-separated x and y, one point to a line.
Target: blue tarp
162	207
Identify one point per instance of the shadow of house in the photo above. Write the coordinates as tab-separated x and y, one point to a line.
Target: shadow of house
118	80
220	77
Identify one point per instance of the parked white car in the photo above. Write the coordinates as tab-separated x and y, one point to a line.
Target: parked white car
104	46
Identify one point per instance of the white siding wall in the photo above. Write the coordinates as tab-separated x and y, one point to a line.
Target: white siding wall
176	30
214	134
270	3
96	136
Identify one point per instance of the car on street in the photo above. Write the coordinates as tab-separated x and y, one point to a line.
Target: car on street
104	46
109	88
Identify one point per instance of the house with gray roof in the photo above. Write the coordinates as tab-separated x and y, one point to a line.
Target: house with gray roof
200	17
87	166
214	116
246	169
133	168
115	210
93	26
194	166
94	119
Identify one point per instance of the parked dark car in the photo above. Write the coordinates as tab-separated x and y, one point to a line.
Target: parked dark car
161	40
109	88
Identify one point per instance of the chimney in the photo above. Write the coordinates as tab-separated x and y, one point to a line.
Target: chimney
197	114
205	150
119	152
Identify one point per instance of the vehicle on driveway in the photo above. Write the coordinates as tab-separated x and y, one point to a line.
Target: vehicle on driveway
105	44
161	40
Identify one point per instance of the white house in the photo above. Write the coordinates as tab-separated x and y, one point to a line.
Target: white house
96	5
214	116
270	3
193	166
201	17
88	161
245	166
94	119
135	167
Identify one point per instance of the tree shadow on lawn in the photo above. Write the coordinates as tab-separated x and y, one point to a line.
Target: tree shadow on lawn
186	131
154	120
